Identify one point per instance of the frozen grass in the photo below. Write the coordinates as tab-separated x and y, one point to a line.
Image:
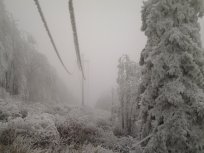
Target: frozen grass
33	128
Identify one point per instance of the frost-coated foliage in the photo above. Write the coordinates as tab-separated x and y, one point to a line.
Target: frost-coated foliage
128	81
42	129
62	129
20	145
172	88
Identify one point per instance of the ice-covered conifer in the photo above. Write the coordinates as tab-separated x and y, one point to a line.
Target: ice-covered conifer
172	88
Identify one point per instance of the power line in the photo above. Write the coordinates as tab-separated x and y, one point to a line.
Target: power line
49	34
76	42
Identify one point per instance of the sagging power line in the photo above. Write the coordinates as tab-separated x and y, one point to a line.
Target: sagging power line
75	36
49	34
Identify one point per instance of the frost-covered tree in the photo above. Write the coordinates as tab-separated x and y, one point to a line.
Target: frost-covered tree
24	72
172	88
128	80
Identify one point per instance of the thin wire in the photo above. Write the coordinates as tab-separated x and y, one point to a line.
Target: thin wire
49	34
75	36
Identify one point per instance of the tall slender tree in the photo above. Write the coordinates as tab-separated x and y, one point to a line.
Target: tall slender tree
172	88
128	80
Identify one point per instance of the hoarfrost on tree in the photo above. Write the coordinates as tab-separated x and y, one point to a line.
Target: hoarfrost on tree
172	88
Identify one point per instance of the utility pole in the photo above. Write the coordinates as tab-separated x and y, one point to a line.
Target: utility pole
112	100
83	81
82	90
112	95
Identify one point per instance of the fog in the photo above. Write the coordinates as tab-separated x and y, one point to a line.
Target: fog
128	108
107	29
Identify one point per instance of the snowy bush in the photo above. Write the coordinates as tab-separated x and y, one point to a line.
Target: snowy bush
24	113
83	114
118	131
125	143
10	130
42	130
20	145
104	124
7	135
77	132
117	144
20	126
9	111
56	109
78	129
3	116
108	139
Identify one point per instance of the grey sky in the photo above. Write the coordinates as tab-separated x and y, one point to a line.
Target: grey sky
107	29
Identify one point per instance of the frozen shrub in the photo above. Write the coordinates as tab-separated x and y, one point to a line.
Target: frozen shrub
81	113
108	140
77	132
10	130
20	126
136	128
125	143
3	116
104	124
9	110
58	110
42	130
119	132
20	145
24	113
7	134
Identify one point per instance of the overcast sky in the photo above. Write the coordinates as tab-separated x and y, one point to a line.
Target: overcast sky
107	29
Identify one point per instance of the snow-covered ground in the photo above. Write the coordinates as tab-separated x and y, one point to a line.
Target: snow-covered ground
58	128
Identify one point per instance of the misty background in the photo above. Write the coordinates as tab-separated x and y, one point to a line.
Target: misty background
106	30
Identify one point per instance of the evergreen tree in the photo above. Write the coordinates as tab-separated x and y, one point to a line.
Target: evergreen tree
172	88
